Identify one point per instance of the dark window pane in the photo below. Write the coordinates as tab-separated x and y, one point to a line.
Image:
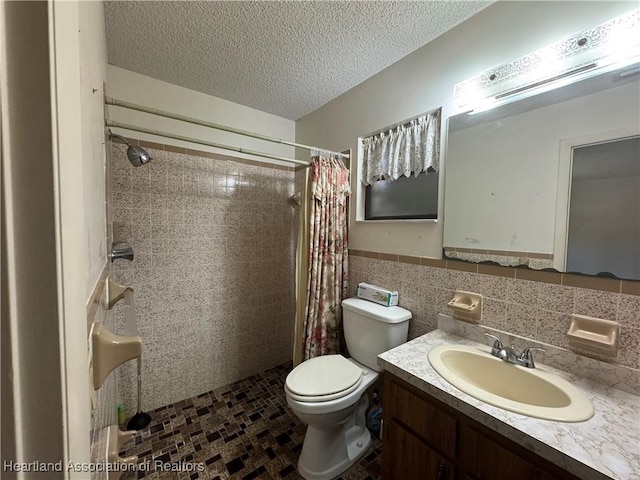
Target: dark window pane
404	198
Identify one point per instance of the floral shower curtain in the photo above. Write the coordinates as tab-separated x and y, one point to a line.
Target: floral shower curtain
328	278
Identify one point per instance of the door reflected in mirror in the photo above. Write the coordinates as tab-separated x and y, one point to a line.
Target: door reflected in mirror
510	192
604	212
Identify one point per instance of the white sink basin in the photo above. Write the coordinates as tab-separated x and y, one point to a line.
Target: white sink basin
519	389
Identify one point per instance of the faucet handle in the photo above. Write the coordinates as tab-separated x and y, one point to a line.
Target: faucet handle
526	357
497	344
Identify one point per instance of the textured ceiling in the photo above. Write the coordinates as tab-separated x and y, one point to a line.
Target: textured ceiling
285	58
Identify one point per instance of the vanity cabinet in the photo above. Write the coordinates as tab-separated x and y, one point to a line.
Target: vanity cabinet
428	440
406	456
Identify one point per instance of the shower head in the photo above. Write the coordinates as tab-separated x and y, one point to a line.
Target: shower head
138	156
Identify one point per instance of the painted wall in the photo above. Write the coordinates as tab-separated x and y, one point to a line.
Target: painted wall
93	73
424	80
135	88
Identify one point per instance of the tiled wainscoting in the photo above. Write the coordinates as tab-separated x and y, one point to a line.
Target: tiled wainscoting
524	302
213	270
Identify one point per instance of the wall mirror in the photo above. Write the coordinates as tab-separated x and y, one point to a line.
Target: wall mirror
551	180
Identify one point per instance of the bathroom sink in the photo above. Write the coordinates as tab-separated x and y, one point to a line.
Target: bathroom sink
528	391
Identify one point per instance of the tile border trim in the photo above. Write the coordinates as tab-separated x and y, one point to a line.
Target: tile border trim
628	287
506	253
203	154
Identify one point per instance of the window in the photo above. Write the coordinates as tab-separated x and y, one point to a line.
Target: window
399	169
402	199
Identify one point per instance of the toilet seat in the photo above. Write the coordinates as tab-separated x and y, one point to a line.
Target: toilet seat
324	378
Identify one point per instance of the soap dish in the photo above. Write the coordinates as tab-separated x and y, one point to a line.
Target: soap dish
467	305
594	334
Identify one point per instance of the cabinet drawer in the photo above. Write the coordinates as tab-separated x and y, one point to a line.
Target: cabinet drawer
430	423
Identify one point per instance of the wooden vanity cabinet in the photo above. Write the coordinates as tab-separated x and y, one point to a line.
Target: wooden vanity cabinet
427	440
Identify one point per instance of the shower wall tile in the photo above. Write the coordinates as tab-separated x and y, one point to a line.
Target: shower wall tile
598	304
628	310
535	309
556	298
213	272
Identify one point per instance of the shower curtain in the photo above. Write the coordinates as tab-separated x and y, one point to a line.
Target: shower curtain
327	280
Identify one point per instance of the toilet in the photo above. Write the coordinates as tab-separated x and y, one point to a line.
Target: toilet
328	392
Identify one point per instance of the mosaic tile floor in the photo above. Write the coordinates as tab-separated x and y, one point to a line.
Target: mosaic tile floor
241	431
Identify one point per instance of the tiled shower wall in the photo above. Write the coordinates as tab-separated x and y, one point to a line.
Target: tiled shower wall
213	273
534	309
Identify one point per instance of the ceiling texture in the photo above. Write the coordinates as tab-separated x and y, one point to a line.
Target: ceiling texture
284	58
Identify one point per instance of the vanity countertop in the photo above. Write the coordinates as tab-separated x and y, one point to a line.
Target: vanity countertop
607	446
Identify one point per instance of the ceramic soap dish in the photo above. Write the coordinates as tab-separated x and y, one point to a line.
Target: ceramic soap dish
594	334
467	305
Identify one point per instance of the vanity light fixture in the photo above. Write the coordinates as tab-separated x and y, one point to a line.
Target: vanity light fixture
629	71
539	87
612	45
547	81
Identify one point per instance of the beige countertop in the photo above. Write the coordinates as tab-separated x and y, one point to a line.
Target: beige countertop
607	446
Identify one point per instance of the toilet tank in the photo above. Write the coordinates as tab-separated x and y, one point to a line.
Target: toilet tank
370	329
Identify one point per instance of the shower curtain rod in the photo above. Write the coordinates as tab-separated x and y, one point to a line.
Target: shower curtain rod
217	126
126	126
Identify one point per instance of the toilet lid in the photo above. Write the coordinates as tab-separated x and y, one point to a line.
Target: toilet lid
321	377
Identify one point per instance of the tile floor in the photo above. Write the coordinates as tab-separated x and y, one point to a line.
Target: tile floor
241	431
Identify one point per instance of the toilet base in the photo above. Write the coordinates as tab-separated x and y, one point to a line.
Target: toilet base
328	451
338	456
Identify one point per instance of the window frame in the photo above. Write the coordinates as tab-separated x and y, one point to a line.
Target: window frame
361	189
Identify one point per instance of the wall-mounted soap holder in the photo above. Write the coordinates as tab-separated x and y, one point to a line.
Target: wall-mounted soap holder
116	292
117	439
467	305
594	334
110	351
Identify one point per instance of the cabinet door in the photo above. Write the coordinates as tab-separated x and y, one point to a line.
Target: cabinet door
429	422
483	459
405	456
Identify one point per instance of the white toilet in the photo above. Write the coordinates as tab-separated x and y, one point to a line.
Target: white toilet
326	392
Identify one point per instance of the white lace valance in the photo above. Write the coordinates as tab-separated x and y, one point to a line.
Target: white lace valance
412	147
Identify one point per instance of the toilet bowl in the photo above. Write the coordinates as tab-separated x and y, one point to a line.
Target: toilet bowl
328	392
336	435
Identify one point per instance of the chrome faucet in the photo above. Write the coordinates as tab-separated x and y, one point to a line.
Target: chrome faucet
509	355
526	358
121	250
